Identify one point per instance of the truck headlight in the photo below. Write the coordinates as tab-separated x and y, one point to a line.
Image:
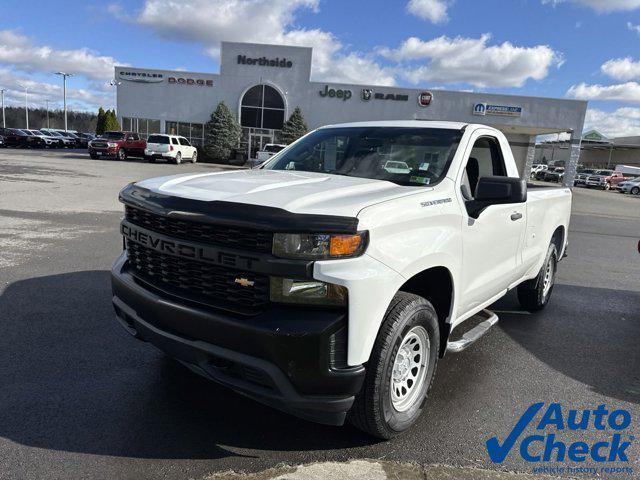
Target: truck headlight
309	292
112	144
313	246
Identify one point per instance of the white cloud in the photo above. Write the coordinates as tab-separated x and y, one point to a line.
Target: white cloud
209	22
434	11
623	122
81	99
622	69
602	6
633	27
471	60
19	52
624	92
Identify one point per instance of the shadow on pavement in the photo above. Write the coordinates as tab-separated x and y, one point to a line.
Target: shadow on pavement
71	380
589	334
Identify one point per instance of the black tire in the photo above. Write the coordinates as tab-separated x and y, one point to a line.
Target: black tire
151	159
194	157
178	159
373	411
93	156
635	190
607	186
532	294
122	154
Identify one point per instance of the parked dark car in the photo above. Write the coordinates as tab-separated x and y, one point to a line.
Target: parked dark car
2	142
14	137
555	174
84	139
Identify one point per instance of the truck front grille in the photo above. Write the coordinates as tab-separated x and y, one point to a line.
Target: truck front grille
99	144
203	283
229	237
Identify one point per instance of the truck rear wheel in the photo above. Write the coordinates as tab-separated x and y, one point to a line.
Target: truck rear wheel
400	370
534	294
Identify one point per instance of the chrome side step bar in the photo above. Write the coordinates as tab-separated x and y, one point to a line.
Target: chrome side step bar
489	319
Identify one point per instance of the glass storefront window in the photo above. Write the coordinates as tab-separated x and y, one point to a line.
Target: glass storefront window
262	106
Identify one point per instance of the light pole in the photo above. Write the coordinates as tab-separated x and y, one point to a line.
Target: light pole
64	94
26	105
3	118
115	83
47	102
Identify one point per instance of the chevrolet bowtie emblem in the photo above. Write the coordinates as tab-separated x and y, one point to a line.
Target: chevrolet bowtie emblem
244	282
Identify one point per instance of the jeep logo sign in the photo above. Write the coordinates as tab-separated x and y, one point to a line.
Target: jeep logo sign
336	93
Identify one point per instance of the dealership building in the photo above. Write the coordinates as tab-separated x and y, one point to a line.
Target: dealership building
262	84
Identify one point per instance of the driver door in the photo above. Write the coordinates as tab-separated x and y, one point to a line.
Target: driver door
492	241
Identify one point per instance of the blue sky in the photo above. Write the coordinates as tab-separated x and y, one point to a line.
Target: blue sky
588	49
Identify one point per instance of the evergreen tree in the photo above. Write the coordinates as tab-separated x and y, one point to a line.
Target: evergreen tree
111	123
101	121
294	128
221	134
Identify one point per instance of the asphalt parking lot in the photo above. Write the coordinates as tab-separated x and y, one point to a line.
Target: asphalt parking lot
79	398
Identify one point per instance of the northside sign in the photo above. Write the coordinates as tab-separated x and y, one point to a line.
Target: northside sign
265	62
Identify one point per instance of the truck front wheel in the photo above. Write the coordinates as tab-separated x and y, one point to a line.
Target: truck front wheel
534	294
400	370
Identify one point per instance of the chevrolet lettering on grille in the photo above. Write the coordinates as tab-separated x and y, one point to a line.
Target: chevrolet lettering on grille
179	248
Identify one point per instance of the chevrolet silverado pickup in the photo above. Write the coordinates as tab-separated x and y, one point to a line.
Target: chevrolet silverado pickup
328	282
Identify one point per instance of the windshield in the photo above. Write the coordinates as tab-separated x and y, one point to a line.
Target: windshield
158	139
406	156
113	135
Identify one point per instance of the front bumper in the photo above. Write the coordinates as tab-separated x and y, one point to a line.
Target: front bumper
111	151
291	358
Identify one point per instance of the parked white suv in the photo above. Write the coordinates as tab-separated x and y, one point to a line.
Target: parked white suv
172	148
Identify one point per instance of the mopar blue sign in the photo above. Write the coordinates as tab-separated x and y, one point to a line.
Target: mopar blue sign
500	110
552	439
479	109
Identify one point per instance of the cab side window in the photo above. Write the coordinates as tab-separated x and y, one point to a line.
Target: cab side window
184	141
174	141
485	160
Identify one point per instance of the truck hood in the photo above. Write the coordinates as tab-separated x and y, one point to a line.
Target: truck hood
295	191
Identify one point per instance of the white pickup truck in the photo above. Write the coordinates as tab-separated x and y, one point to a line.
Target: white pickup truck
328	285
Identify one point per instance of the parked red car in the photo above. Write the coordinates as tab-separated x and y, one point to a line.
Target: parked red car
605	179
118	144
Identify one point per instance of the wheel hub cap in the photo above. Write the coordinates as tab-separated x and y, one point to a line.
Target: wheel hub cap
410	369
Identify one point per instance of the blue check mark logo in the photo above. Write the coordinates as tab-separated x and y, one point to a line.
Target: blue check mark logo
498	452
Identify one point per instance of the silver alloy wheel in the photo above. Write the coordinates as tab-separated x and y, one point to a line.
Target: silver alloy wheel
194	157
548	278
410	369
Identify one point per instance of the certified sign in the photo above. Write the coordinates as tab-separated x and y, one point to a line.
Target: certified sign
498	110
424	98
141	77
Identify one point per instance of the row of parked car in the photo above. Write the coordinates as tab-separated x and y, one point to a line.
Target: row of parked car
43	138
121	145
605	179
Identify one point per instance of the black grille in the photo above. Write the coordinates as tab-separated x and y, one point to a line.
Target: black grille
99	144
230	237
200	282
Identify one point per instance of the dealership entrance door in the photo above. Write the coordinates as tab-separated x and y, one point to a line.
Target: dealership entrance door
257	142
262	113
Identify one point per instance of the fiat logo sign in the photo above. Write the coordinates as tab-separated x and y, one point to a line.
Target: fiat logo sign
424	98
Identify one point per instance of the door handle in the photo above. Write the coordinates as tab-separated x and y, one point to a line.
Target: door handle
516	216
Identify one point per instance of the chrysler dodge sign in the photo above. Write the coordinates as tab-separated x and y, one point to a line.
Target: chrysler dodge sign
141	77
499	110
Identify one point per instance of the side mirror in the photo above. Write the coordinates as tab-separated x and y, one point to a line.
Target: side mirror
496	191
